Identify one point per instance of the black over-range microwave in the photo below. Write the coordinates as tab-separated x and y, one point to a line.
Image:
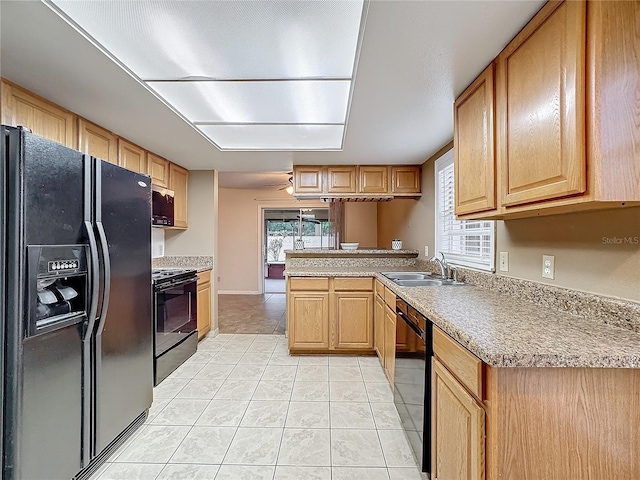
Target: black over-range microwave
162	206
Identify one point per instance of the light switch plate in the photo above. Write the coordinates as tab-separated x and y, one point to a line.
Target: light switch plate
504	261
426	250
548	266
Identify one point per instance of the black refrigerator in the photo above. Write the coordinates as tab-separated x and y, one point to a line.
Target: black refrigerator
76	312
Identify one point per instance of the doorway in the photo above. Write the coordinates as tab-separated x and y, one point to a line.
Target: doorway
282	228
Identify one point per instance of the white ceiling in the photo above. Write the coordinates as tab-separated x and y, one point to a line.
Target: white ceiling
416	57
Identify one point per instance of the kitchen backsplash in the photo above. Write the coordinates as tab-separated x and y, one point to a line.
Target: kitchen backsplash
157	242
612	311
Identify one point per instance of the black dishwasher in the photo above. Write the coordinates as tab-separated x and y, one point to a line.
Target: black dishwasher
412	379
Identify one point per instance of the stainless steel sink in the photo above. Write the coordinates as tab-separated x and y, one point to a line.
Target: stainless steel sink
407	275
419	279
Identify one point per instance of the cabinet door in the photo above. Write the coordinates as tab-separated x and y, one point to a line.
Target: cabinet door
159	170
405	180
373	179
204	304
354	320
20	107
474	146
389	343
458	429
378	328
540	107
308	320
178	182
307	180
341	179
613	119
97	142
131	156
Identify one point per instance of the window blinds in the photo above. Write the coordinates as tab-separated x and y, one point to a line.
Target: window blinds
464	242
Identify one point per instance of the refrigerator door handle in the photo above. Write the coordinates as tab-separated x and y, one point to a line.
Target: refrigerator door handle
107	275
95	280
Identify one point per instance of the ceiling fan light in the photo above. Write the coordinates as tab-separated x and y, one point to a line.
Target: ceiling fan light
289	189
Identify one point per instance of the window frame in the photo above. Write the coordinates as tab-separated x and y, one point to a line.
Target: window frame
440	164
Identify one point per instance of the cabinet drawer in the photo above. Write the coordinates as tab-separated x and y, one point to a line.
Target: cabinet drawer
462	363
310	283
379	289
351	284
390	298
205	277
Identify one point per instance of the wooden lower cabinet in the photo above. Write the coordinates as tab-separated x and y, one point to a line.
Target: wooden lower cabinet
322	315
389	343
204	304
308	320
458	429
353	320
378	328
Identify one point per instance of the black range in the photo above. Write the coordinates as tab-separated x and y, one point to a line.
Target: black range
175	319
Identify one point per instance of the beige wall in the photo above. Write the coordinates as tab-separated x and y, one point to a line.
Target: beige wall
198	239
361	223
582	260
411	221
240	232
201	238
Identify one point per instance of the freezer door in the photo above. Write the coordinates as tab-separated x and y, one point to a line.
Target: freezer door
123	346
42	424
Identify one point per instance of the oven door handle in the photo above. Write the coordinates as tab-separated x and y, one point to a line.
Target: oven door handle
162	288
410	324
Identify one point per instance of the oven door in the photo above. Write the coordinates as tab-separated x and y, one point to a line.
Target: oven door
175	314
412	381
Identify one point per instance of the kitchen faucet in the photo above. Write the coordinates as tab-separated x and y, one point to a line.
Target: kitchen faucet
442	264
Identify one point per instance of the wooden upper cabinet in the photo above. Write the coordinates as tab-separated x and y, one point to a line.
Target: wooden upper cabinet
22	108
405	179
97	142
613	118
307	180
458	429
341	180
474	146
373	179
540	108
178	182
131	156
159	170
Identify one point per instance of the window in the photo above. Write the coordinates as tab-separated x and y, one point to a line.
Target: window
469	243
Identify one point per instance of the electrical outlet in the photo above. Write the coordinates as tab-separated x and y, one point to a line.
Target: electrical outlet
504	261
426	250
548	266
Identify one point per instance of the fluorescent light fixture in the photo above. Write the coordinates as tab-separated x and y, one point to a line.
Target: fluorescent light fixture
238	71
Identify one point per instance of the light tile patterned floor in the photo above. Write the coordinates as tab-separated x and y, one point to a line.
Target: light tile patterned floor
242	408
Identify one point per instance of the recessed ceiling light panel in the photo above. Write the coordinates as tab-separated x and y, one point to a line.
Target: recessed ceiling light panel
275	137
225	63
303	101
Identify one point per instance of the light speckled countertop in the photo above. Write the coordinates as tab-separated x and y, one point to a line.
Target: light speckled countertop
371	252
505	331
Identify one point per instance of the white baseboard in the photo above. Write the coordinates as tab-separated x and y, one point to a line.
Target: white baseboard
238	292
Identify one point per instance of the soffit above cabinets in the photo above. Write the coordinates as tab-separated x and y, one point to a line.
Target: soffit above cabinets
248	75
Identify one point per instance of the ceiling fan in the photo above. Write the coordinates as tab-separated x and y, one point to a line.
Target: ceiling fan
289	185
